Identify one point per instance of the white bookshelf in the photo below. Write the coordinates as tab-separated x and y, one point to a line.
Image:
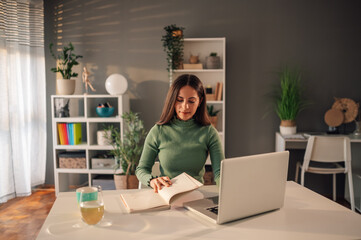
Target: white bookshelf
209	77
82	110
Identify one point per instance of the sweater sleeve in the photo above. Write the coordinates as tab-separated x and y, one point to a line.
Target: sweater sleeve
216	152
149	154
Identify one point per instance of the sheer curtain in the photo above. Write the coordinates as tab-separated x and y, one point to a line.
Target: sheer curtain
22	97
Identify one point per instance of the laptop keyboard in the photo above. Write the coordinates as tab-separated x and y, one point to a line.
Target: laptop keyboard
213	209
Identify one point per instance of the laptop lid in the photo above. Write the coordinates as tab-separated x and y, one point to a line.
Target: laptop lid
251	185
248	186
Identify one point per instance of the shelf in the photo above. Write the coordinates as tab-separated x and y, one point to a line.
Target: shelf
203	39
72	170
82	110
104	171
100	147
199	71
214	102
81	146
104	119
70	119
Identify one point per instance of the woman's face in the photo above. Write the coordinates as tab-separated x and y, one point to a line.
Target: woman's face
186	103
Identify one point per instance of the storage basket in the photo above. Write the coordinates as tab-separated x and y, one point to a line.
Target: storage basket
72	160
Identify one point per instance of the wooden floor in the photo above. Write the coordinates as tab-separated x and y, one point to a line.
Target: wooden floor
22	217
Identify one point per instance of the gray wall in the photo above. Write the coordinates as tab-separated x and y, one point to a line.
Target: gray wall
323	38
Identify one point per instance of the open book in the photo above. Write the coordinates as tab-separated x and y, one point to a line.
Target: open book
147	199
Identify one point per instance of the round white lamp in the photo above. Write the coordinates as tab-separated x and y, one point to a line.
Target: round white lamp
116	84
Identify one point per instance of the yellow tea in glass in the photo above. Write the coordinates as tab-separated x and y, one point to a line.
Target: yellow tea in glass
92	210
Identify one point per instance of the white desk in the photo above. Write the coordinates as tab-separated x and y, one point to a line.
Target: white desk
283	143
305	215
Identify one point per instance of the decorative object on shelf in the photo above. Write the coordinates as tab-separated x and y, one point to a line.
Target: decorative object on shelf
193	59
61	107
343	110
66	60
116	84
210	96
128	151
86	81
287	99
213	61
72	159
103	161
103	137
192	66
104	110
212	115
173	46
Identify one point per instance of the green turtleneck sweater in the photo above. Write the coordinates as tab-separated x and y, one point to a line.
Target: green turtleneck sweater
181	146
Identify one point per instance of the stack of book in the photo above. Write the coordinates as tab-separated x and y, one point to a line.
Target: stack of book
69	133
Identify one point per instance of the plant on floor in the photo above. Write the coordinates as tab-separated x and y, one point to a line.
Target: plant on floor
127	151
66	61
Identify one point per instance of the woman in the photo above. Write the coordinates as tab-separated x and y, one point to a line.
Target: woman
182	138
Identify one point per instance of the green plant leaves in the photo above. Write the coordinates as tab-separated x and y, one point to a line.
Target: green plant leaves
128	150
66	61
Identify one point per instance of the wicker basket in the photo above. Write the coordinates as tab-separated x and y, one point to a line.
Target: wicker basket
72	160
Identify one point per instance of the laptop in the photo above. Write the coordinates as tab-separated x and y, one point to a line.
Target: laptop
249	185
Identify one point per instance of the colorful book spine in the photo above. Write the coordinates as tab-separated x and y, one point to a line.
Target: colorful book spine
77	133
60	135
65	134
69	129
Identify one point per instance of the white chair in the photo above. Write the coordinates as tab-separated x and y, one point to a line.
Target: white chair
155	172
328	149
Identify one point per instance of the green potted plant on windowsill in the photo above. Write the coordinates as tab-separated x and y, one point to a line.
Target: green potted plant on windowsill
212	115
287	99
127	152
66	60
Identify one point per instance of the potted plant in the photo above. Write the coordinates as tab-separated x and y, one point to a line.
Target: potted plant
127	152
213	61
212	115
288	100
173	46
66	60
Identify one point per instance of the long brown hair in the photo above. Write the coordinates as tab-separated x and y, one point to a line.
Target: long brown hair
201	115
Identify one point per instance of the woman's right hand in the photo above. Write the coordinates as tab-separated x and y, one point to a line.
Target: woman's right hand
158	183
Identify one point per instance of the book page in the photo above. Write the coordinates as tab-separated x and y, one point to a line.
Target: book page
142	200
181	183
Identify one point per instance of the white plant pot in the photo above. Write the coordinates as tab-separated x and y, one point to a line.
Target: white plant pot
288	130
65	86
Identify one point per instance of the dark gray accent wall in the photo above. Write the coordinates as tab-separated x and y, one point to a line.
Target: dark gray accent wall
322	37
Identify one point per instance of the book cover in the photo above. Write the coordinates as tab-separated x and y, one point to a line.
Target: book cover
220	90
77	133
60	134
148	200
68	133
65	134
71	135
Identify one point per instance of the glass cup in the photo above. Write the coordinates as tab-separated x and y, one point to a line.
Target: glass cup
91	204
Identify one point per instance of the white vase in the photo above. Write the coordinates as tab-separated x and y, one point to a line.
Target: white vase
288	130
65	86
288	127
